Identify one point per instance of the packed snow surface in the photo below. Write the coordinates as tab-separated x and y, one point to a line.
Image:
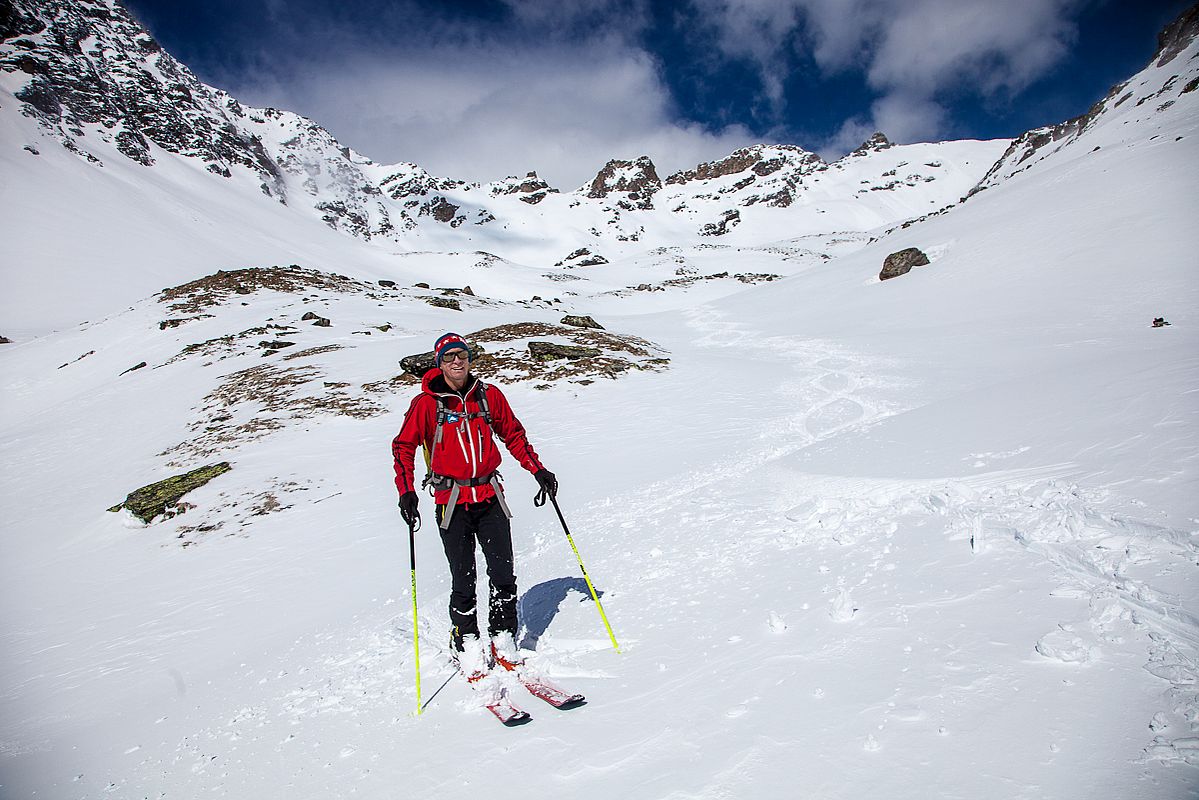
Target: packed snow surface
931	537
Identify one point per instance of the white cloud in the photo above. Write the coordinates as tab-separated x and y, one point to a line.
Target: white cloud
909	51
479	106
991	47
909	118
852	133
904	118
562	87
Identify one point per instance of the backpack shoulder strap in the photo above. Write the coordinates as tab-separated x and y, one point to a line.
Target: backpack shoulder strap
481	391
441	415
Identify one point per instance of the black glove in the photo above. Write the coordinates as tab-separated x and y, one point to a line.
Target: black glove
546	480
408	501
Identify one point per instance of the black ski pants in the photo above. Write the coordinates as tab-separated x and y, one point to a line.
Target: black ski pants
486	523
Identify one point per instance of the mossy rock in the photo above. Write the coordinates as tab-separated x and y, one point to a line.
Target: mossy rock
548	351
149	501
581	322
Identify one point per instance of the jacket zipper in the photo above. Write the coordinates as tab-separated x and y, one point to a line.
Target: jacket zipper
472	454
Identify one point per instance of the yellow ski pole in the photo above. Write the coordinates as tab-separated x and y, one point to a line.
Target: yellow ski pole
415	622
540	501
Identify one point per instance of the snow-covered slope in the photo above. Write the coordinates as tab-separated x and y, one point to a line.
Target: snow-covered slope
933	536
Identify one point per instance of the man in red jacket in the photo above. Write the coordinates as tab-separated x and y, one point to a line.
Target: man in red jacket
452	419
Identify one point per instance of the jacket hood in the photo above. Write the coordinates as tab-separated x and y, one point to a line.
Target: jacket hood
434	383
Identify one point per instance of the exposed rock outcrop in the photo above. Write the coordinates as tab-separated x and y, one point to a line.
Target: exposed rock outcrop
1038	143
583	257
532	190
518	351
762	174
637	181
215	289
728	220
93	74
443	210
1177	36
549	351
760	160
877	142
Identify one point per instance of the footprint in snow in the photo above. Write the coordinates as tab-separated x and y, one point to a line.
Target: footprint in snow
834	382
833	416
842	608
1063	645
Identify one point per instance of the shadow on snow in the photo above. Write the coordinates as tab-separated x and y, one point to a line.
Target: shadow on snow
539	605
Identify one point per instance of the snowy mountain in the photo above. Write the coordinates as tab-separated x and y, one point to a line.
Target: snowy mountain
82	78
929	536
1144	102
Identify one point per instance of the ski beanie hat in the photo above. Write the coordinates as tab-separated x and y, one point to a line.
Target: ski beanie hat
448	342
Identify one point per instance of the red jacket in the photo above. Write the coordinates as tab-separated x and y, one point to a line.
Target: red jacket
467	448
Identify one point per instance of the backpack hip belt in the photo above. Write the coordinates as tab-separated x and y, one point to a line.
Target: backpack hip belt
439	482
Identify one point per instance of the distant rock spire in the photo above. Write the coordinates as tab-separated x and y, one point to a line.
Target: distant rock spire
877	141
638	180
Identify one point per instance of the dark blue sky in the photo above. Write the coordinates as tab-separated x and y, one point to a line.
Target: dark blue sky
486	88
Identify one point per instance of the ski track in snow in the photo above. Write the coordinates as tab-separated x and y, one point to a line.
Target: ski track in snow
828	391
1055	521
348	693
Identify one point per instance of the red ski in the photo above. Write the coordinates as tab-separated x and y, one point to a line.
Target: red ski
498	703
538	685
507	713
495	699
554	695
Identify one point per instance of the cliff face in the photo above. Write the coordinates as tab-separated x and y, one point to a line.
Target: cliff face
94	74
93	71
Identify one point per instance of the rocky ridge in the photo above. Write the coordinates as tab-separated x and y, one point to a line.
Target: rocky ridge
774	172
99	84
93	73
1163	81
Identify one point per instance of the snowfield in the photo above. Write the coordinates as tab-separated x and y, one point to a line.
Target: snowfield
931	537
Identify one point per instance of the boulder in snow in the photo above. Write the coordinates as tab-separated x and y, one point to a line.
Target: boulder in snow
583	257
152	500
581	322
444	302
901	263
548	351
